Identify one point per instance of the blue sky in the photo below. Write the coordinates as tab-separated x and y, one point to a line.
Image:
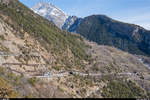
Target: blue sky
131	11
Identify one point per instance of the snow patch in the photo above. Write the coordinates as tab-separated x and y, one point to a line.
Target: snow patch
147	65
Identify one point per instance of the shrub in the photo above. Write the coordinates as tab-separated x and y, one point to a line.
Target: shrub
123	89
2	37
6	91
33	80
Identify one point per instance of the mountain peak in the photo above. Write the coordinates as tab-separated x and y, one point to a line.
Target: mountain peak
50	12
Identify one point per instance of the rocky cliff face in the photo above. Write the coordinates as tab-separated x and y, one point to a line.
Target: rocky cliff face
71	21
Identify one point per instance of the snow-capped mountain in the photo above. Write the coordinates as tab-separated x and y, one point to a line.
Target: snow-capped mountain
51	12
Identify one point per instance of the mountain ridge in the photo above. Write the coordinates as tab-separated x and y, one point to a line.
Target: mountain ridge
101	28
110	32
39	60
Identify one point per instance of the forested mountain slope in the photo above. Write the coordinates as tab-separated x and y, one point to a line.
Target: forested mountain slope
37	59
106	31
